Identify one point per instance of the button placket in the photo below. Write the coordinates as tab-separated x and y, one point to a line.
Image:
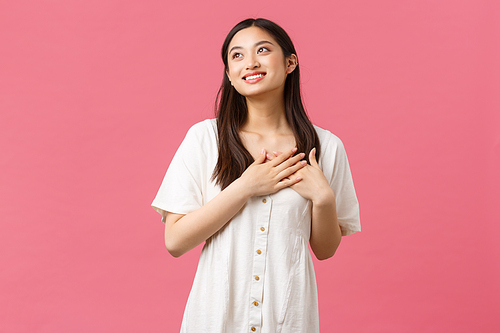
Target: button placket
259	264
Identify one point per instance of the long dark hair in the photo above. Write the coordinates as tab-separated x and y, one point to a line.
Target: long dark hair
231	110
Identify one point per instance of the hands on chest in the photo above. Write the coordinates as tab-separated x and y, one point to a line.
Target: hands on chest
272	172
313	185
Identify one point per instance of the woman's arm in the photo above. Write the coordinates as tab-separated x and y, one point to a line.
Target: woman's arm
184	232
325	230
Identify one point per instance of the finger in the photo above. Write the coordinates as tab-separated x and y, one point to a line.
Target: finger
272	156
261	158
287	182
289	162
284	156
288	172
312	157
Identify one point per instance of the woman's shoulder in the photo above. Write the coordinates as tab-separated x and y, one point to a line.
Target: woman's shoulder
204	127
327	138
200	141
203	131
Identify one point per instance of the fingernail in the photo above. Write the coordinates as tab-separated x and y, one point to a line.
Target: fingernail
304	163
275	153
294	150
263	151
314	150
268	156
302	155
298	178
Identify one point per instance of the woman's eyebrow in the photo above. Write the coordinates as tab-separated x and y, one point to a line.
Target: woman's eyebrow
255	45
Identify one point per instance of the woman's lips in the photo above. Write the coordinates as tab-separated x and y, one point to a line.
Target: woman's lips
254	78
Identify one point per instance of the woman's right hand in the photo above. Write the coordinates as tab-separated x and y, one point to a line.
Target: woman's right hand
262	178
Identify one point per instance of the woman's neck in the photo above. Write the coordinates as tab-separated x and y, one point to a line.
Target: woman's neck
266	117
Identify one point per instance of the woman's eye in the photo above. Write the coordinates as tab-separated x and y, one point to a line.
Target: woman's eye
263	49
236	55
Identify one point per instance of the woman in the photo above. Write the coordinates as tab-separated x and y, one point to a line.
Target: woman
241	184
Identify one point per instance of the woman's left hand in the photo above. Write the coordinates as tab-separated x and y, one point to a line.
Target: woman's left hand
313	185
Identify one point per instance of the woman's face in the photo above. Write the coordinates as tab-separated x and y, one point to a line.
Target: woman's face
256	64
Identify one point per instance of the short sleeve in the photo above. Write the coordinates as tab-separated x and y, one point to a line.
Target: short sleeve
181	189
337	171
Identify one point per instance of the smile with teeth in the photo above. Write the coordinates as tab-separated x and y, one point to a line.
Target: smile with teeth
253	77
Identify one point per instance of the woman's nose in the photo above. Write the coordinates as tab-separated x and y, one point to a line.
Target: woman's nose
252	63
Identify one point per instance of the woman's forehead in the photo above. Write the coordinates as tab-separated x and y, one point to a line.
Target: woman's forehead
249	36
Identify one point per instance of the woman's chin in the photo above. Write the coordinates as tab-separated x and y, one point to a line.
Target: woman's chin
259	93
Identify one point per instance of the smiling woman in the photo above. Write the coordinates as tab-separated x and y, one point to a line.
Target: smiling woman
268	50
257	212
253	56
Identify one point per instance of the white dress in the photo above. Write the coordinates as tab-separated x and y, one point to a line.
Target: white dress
256	273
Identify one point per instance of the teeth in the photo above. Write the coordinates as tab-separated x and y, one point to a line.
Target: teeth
254	76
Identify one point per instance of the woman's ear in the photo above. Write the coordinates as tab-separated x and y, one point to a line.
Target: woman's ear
228	77
291	63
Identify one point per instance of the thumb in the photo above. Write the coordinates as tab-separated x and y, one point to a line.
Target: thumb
312	158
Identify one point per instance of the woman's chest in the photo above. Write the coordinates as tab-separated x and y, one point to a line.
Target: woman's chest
254	143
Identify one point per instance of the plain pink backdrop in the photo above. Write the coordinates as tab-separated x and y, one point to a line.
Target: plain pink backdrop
96	96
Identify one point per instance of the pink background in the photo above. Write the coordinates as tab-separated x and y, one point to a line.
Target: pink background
95	97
